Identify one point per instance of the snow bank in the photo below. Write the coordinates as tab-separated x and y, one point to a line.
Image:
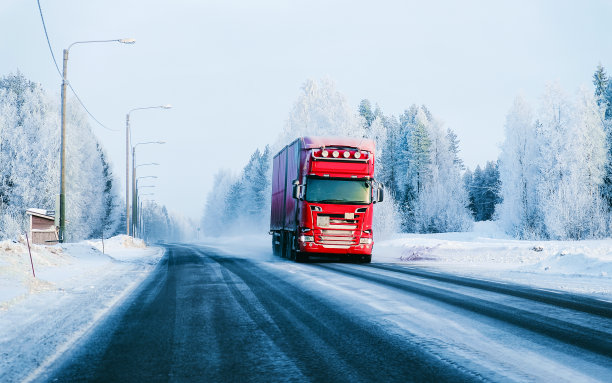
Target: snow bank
486	246
574	264
485	252
75	285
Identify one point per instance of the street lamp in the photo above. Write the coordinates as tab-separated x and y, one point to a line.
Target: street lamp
149	164
62	194
136	211
135	196
141	214
127	161
134	205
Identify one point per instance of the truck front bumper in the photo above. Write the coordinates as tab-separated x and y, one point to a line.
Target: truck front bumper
313	247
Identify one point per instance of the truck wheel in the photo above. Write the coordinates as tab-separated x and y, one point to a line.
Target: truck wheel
301	257
292	245
366	258
286	246
274	246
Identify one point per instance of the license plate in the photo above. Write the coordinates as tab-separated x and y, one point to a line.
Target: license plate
322	221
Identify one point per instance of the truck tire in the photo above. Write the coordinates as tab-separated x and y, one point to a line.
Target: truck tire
292	246
301	257
366	258
274	247
285	245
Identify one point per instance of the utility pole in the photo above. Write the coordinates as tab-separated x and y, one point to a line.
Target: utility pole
127	174
134	192
128	223
62	195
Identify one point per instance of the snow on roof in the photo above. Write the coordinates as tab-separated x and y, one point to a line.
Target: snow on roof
311	142
40	212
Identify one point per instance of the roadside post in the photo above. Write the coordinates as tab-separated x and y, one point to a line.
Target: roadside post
30	251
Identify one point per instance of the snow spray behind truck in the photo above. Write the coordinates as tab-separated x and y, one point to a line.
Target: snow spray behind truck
323	191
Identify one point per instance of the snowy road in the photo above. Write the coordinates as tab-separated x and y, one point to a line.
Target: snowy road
205	315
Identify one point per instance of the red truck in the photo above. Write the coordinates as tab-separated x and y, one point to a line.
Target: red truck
323	189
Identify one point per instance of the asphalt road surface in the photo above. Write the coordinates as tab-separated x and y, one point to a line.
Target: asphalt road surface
204	316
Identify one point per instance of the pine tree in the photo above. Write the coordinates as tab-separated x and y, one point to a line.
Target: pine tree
601	80
365	111
454	148
485	191
442	201
214	219
468	179
603	96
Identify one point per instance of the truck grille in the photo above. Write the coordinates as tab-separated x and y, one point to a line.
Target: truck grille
337	237
337	222
337	230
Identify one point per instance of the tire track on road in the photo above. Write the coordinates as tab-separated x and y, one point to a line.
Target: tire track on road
588	339
329	344
560	299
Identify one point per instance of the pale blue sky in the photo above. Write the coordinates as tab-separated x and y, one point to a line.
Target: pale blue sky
232	69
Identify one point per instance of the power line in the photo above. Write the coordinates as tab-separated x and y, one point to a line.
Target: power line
47	36
60	73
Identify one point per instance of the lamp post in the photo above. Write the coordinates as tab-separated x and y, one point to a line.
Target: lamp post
142	218
127	161
149	164
135	196
62	194
136	212
134	205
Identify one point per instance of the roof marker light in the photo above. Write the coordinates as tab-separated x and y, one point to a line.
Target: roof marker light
325	153
335	154
346	154
357	154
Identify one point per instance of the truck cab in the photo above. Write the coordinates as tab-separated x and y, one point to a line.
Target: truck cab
323	194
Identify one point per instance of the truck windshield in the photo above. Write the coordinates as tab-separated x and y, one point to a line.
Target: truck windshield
326	190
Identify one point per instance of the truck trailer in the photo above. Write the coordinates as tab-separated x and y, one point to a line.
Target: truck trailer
323	192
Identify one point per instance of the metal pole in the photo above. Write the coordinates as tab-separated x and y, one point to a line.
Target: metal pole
127	173
139	219
62	196
134	191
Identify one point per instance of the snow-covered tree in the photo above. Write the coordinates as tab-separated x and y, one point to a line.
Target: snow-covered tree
483	188
519	211
214	219
603	96
365	111
453	142
552	169
29	162
387	166
442	201
320	110
579	209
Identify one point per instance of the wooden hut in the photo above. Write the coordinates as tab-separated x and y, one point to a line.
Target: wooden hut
42	227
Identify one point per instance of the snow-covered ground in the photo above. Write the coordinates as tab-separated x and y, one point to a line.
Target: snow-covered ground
583	267
75	285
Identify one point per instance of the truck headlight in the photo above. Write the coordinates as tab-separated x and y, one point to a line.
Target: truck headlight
306	238
365	241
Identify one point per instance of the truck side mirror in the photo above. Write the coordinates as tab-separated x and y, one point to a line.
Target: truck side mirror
380	194
298	190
